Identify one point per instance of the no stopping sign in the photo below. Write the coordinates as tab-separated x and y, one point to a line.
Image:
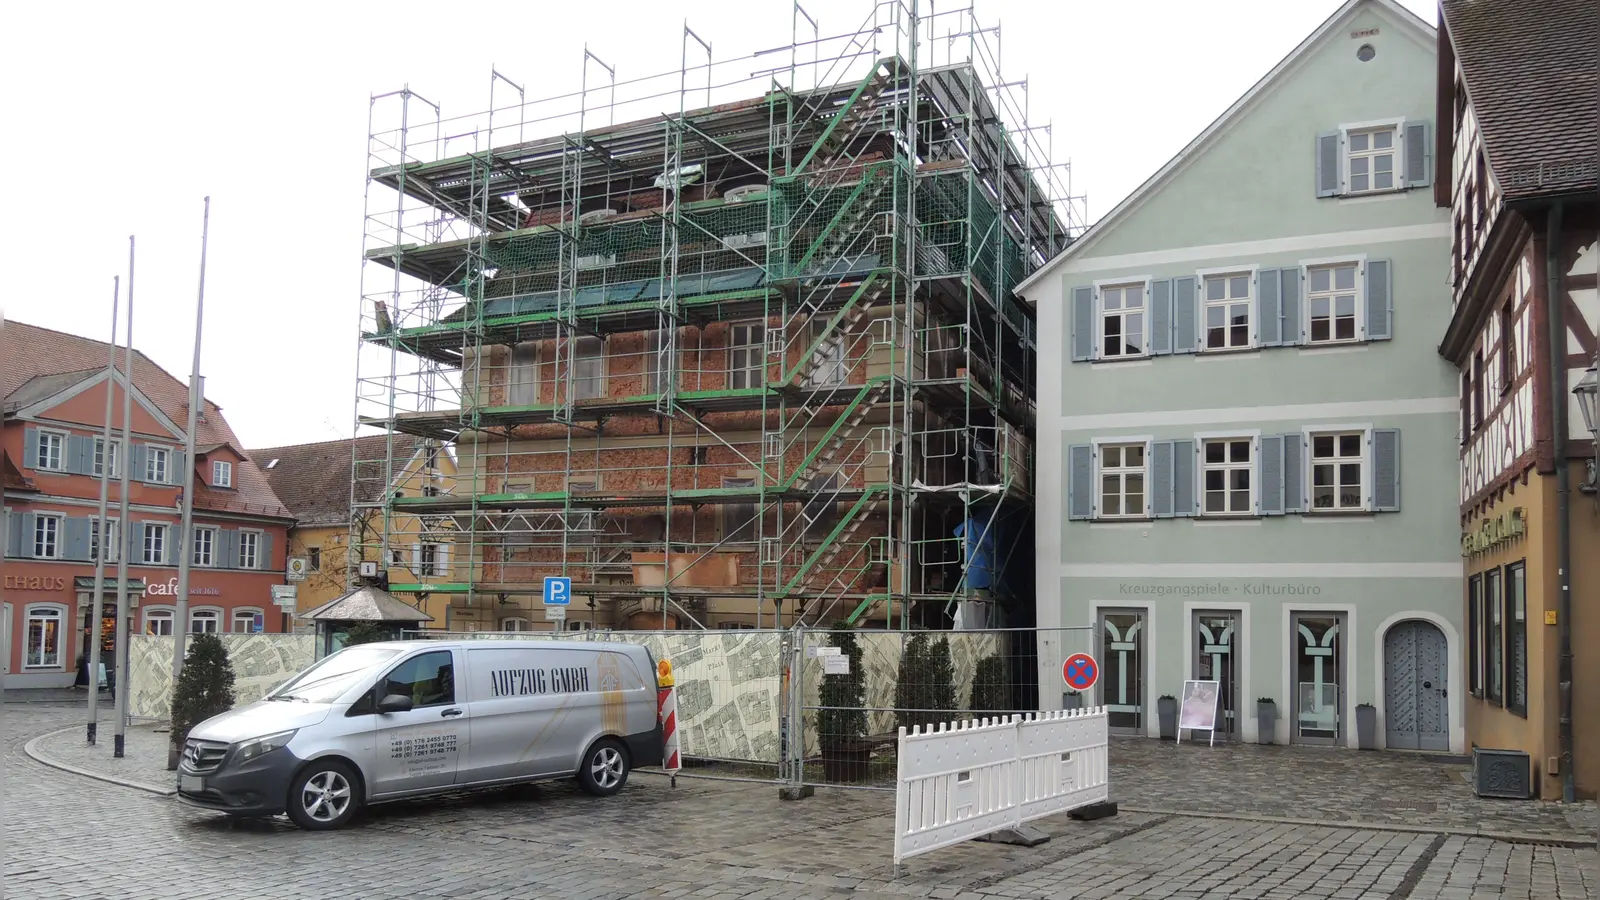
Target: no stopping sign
1080	671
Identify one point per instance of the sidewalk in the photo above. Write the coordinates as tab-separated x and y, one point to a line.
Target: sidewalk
143	764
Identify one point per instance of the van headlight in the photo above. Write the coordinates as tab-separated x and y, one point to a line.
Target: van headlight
251	749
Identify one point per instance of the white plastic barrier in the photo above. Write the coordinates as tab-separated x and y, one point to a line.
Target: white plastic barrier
963	780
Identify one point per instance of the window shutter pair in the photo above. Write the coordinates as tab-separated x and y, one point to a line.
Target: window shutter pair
225	551
1171	484
30	448
264	552
80	455
1174	315
1172	310
1278	307
1415	159
1172	479
1282	462
137	460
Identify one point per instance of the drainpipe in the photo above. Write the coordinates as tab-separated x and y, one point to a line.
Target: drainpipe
1556	302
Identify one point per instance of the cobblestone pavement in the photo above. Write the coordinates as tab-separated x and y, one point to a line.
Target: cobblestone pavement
715	839
1328	785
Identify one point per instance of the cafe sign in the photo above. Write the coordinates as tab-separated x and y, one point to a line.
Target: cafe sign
1491	533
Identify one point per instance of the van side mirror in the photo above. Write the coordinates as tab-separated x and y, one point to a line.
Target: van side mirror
394	703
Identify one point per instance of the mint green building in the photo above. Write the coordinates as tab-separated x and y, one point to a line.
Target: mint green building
1257	442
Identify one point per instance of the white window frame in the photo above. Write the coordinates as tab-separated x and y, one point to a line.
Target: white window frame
102	449
57	534
522	381
114	531
1100	316
63	629
1398	151
1098	447
523	623
144	542
755	360
1200	469
210	560
255	548
1328	262
1253	270
61	438
1308	480
248	613
221	473
166	614
150	451
209	613
583	384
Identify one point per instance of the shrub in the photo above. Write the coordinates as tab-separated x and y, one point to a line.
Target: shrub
204	688
926	691
843	717
365	633
990	692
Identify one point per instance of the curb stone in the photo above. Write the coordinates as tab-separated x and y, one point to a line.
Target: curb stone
31	748
1546	840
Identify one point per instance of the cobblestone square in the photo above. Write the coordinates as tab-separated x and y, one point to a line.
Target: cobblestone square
1196	822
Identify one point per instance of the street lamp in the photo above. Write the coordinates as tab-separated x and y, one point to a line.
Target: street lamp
1588	393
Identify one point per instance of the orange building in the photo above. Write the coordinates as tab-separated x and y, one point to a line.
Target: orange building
52	458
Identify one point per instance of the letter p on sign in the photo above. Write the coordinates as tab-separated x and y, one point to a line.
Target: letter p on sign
557	591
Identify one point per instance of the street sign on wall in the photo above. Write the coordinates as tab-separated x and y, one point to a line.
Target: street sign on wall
297	569
285	595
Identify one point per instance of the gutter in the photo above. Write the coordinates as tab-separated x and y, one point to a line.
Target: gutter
1555	303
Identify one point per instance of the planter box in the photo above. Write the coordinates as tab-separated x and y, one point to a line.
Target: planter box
1367	727
1505	774
1167	716
1266	722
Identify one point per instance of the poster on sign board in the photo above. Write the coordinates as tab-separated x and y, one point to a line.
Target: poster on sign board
1198	709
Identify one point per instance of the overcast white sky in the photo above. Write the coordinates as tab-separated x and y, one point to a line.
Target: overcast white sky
123	116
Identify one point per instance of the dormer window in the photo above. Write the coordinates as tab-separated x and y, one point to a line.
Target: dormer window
222	474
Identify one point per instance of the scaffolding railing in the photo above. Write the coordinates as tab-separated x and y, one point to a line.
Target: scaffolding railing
765	347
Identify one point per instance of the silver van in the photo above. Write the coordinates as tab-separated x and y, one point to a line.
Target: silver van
400	719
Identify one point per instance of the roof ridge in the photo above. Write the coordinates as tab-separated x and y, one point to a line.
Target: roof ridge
120	359
308	444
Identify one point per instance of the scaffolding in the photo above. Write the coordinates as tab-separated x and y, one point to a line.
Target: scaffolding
750	363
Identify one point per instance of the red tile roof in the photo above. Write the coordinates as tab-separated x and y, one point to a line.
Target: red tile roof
1533	75
314	479
30	352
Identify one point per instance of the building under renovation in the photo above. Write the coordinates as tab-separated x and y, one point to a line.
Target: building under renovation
754	363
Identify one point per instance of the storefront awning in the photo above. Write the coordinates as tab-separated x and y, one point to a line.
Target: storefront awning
86	583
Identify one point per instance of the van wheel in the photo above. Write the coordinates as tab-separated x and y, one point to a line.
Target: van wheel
605	768
323	796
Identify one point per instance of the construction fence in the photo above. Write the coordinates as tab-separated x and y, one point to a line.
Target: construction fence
812	706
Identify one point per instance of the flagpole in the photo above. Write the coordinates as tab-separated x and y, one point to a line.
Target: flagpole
123	681
186	534
102	527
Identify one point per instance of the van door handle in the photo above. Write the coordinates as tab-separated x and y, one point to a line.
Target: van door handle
450	712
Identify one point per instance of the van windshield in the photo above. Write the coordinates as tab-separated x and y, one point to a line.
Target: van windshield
326	681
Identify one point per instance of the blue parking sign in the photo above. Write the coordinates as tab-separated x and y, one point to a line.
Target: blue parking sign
557	591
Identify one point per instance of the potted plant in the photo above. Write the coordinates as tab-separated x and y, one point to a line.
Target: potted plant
1167	715
842	718
1367	726
1266	719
